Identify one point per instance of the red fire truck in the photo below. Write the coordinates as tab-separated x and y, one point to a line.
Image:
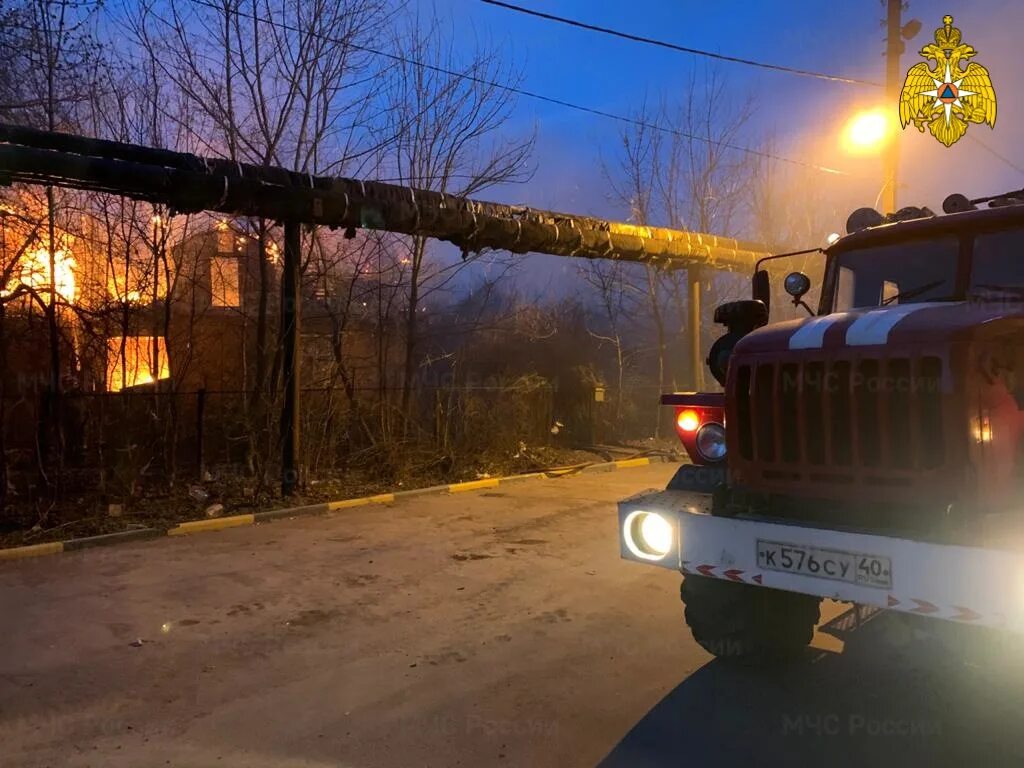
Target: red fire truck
871	452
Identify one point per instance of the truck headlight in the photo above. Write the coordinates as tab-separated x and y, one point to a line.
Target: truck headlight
648	535
711	441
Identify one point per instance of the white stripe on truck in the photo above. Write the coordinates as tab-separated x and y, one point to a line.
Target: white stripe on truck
811	335
874	327
868	329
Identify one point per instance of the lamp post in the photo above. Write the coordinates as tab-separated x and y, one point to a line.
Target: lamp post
876	131
896	33
893	48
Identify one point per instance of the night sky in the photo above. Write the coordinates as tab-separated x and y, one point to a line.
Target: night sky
842	37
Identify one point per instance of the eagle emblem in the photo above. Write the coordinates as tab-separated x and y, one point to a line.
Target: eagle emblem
949	97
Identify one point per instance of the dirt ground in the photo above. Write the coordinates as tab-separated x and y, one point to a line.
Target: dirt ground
450	630
494	628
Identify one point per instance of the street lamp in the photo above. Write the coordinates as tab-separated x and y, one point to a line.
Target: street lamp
868	132
874	132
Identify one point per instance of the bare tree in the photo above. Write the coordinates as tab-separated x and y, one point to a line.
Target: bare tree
55	59
18	234
677	165
616	300
444	111
340	276
634	183
270	82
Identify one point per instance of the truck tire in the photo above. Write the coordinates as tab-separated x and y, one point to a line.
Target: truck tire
747	624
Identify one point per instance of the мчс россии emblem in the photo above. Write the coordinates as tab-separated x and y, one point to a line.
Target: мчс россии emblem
947	98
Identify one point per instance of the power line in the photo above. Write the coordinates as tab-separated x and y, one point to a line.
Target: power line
995	154
721	57
680	48
528	94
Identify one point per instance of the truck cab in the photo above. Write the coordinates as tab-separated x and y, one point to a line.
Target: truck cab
888	420
900	400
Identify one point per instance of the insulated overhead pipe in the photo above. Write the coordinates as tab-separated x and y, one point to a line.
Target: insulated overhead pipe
187	182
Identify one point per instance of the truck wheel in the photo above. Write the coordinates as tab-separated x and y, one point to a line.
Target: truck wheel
747	624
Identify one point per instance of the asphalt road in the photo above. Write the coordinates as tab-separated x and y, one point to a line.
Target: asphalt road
487	628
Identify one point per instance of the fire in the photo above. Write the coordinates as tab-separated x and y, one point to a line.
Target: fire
136	366
133	282
35	273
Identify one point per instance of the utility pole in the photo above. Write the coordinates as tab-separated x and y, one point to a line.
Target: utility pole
893	48
694	282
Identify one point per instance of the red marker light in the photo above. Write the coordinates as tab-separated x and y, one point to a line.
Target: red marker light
688	420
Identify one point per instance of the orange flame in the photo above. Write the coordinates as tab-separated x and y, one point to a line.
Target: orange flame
35	273
136	366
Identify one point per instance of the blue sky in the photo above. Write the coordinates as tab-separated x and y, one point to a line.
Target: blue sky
843	37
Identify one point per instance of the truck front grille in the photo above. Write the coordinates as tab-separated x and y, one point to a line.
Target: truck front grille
823	415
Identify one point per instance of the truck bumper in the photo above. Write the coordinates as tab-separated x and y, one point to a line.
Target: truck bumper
970	585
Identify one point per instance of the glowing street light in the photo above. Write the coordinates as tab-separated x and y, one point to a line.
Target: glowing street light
867	132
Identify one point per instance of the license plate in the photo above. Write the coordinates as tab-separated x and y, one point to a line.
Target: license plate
834	564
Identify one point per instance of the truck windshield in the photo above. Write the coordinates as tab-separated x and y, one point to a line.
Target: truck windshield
900	273
997	263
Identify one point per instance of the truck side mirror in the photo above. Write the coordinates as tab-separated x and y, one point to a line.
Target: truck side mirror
761	289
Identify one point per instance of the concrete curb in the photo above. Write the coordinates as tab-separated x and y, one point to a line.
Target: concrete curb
212	524
234	521
140	534
33	550
277	514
